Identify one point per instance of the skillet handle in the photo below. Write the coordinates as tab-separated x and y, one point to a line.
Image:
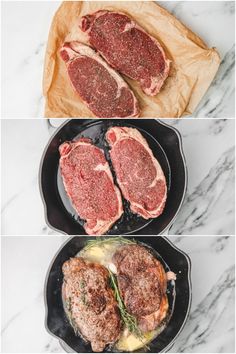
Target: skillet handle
53	123
167	231
65	347
49	126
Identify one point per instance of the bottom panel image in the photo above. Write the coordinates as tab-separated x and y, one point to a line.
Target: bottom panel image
118	294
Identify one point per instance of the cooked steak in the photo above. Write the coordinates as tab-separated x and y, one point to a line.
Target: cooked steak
142	283
90	302
128	48
89	184
101	88
139	174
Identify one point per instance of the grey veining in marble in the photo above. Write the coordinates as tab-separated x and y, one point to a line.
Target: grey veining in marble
195	216
209	151
209	328
197	335
25	27
221	90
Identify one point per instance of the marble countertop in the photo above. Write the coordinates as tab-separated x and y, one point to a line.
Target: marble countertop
209	328
25	27
208	145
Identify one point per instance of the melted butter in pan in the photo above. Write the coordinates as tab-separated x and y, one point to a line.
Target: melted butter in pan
103	254
129	342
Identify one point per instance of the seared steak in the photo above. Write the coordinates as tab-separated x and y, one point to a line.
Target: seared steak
142	283
90	302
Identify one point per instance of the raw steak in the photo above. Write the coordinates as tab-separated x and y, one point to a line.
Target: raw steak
90	303
127	48
142	283
89	184
139	174
99	86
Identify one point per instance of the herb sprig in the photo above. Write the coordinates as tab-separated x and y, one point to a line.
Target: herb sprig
129	320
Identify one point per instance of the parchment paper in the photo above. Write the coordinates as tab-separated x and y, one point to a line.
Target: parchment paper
193	65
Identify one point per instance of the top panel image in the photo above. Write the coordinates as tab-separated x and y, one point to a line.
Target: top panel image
117	59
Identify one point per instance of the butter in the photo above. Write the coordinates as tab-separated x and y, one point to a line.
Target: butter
130	342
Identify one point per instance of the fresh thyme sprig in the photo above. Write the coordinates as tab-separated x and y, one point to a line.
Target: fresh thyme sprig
97	241
129	320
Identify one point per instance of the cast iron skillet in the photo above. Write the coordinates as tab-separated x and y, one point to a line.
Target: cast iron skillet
179	294
165	142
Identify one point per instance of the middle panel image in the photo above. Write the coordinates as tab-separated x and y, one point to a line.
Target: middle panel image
98	177
115	177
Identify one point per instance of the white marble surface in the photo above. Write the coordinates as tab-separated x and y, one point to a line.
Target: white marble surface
209	150
210	327
25	27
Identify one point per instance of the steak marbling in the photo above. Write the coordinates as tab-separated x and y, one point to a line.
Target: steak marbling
103	90
139	174
89	185
127	48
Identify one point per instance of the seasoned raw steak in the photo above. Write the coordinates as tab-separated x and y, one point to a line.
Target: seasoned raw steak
99	86
89	184
139	174
142	282
128	48
90	302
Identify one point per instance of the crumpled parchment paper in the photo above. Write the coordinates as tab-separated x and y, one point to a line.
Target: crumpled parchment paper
193	64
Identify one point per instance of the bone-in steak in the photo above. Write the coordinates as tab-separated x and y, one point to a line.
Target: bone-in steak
99	86
89	184
90	302
142	283
127	48
139	174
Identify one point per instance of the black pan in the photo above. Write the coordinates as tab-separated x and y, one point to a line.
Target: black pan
165	142
179	294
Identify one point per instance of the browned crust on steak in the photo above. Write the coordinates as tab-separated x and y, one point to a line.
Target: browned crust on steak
90	302
142	282
149	322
